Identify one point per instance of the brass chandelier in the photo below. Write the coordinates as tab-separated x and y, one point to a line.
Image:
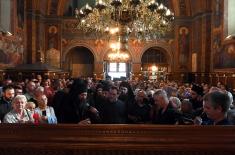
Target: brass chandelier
144	19
117	55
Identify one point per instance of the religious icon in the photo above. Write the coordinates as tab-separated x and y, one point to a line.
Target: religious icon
183	47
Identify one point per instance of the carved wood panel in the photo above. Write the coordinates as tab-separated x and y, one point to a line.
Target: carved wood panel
116	139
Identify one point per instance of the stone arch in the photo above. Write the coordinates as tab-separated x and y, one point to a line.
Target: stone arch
80	62
161	53
165	47
160	45
78	44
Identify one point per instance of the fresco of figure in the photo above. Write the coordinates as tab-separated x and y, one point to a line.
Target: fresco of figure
183	47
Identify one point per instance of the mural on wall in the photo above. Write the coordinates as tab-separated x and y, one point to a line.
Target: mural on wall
53	57
52	37
52	53
183	47
217	13
216	46
20	13
11	51
225	57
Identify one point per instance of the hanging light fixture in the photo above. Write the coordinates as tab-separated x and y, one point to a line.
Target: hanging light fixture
144	19
116	55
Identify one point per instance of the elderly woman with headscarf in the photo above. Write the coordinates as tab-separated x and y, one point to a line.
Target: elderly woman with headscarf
18	114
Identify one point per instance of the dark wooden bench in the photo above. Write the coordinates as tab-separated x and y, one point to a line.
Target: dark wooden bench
116	139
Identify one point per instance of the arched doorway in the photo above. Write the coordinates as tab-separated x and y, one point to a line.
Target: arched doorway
154	64
117	69
80	62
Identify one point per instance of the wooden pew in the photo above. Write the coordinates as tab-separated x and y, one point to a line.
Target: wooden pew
116	140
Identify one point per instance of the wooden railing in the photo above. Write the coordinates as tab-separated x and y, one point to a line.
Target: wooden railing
116	139
226	77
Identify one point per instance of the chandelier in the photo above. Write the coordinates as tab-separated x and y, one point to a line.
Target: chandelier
117	55
143	19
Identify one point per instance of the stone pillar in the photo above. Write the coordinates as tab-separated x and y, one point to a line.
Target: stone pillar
99	70
30	33
136	71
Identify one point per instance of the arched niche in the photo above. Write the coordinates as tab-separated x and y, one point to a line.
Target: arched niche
79	61
155	63
163	46
117	69
74	44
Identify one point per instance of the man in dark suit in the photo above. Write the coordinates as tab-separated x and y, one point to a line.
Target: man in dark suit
114	111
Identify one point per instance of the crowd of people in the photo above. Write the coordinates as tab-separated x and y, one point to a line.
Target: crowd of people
89	101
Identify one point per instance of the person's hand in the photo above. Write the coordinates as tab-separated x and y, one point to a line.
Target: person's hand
25	121
85	122
22	121
133	118
93	110
44	118
197	120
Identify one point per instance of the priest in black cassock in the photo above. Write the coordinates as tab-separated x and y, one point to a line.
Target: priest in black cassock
76	107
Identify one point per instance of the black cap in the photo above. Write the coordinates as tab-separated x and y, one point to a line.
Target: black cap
198	89
79	85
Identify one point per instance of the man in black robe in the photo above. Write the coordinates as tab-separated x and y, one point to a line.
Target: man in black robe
76	108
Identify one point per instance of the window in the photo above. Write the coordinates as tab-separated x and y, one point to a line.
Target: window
122	67
5	15
113	67
117	70
231	17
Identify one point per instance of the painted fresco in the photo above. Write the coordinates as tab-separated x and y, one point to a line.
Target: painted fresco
11	52
183	47
217	13
52	53
20	13
225	58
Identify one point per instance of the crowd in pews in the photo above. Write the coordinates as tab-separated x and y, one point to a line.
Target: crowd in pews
89	101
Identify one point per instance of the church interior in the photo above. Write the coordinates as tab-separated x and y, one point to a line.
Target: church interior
199	47
187	41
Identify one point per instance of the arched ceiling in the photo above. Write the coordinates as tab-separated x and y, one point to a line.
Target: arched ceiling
179	7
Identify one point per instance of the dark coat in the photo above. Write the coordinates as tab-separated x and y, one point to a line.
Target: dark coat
169	116
77	111
5	107
114	113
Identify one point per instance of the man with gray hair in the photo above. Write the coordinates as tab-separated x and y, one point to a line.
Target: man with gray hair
216	105
167	114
